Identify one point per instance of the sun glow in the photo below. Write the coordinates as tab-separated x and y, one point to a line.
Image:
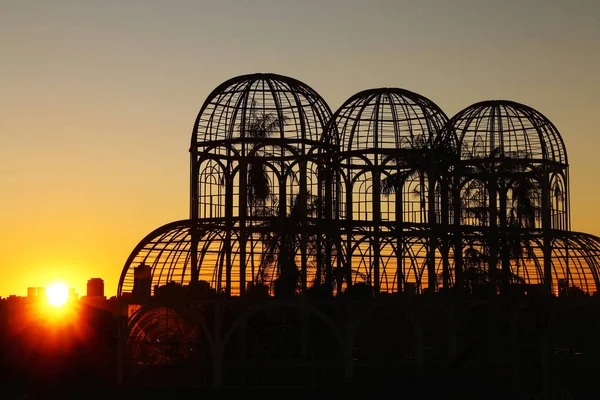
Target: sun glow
57	294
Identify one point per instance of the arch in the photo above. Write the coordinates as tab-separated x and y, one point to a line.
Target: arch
152	331
166	246
231	104
282	304
514	128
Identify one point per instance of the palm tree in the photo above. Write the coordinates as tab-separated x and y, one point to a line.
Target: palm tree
492	180
480	196
259	126
430	161
475	273
524	183
414	162
282	240
394	183
476	268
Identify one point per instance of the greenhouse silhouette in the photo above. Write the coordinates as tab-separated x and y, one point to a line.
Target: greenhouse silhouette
386	191
386	196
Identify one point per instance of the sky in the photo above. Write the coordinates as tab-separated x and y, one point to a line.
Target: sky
98	100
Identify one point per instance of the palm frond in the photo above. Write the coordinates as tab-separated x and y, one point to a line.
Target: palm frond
392	183
260	124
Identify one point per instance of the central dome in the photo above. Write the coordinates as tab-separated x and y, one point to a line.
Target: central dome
387	118
282	107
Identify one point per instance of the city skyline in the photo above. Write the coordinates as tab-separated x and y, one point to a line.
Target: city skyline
94	287
98	120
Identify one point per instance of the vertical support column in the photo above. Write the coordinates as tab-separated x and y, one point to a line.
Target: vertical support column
349	229
457	231
445	234
399	237
376	197
303	225
376	200
547	229
194	272
242	198
243	204
285	259
490	171
228	228
503	239
433	227
334	201
492	238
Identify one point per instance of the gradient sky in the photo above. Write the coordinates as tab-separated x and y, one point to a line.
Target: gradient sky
98	99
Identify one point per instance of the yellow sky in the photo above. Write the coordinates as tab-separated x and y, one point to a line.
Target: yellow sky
98	100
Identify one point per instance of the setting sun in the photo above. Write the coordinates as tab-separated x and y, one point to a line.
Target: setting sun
57	294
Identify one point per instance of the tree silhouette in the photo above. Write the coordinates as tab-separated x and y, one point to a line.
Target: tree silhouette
282	240
503	193
430	161
259	126
524	183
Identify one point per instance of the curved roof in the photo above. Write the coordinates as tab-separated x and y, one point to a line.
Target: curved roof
387	118
575	255
167	253
506	127
285	107
166	250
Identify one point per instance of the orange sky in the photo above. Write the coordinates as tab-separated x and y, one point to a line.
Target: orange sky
99	98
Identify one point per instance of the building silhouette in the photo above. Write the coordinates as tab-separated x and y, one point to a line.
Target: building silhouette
95	287
368	209
142	281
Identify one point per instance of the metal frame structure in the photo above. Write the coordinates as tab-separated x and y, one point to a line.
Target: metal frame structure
389	139
511	200
387	191
387	195
257	170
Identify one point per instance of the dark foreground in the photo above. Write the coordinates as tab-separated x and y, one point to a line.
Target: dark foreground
550	351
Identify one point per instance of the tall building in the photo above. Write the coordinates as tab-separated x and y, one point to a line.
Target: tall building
142	281
95	287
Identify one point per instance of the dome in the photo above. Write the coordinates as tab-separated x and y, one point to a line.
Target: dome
166	255
387	118
575	261
283	107
513	129
166	251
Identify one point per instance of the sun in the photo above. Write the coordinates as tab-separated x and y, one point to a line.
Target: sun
57	294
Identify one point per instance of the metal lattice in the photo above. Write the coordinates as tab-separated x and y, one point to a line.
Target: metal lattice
258	161
389	196
387	192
